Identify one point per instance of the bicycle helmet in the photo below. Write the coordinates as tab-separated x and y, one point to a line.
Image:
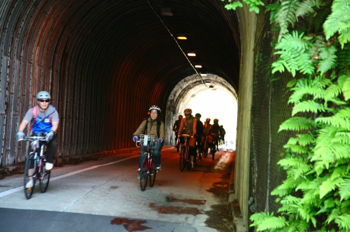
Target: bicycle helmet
198	115
43	95
154	107
188	111
207	120
180	116
216	120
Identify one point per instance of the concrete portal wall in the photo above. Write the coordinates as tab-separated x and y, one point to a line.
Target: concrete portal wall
247	24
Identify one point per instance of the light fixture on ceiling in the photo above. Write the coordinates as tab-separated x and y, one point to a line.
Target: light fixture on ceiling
198	66
181	37
166	11
204	75
191	54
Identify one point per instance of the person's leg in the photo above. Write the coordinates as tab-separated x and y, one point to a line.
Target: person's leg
192	153
51	150
157	155
144	149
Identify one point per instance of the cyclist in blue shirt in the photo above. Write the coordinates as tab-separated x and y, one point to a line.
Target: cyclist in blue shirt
44	120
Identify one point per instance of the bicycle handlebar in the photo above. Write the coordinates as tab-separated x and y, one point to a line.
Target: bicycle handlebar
150	141
33	138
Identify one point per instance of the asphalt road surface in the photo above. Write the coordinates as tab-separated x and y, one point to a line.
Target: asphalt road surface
104	195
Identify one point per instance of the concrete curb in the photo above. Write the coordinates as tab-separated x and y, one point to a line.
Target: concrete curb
234	205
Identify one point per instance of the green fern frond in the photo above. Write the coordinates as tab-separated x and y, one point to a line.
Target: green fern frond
305	139
344	190
296	148
297	164
308	106
333	215
340	120
332	91
272	223
286	15
285	188
346	87
306	7
294	42
338	20
330	185
296	124
343	221
328	58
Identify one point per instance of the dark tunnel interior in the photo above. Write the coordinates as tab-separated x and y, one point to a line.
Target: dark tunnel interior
105	62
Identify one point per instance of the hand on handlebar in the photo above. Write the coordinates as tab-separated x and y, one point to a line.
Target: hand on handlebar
135	138
20	135
49	136
160	140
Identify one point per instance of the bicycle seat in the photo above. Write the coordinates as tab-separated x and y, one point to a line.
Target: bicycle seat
185	135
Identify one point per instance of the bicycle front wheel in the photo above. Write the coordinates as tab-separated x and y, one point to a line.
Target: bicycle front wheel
45	179
182	158
143	174
152	172
27	177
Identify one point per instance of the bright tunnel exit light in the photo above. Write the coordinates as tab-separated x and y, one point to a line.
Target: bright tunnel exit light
219	104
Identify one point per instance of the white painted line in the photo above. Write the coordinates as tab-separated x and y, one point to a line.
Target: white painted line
8	192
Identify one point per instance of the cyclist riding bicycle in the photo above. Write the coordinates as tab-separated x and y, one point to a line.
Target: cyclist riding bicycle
44	121
189	126
152	126
199	135
215	132
176	127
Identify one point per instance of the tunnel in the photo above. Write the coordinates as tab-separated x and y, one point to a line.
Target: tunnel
105	62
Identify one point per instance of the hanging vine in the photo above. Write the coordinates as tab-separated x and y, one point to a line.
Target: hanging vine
313	46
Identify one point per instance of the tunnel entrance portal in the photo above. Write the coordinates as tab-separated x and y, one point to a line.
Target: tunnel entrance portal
211	96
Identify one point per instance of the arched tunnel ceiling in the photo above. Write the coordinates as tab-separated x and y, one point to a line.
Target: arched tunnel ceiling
94	54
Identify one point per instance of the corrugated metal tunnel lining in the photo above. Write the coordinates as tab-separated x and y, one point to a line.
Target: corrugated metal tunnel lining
105	63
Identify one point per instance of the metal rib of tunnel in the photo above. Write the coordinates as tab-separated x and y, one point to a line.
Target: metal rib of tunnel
104	63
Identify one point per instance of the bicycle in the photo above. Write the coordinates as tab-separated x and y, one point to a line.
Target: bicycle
36	161
148	168
185	152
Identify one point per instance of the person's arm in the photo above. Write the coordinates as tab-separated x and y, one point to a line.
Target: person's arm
141	128
195	126
162	131
54	126
181	126
23	125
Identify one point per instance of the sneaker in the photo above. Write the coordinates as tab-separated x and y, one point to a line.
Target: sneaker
48	166
29	184
159	168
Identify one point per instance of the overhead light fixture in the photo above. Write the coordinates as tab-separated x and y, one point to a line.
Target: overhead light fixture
204	75
198	66
166	11
181	37
191	54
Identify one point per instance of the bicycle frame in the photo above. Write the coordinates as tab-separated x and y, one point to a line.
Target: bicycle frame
35	161
148	170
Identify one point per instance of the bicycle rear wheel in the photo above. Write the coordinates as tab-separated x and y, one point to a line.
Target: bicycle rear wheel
29	191
152	172
182	158
188	160
45	179
143	174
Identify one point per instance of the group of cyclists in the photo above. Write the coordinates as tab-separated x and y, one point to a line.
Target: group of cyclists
206	135
44	120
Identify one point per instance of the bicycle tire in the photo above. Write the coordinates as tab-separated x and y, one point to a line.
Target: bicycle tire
188	161
182	158
152	172
45	179
143	174
28	192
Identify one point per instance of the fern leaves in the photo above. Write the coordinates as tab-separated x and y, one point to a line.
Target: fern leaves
338	21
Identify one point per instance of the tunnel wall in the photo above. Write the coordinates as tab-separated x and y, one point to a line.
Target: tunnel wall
104	63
